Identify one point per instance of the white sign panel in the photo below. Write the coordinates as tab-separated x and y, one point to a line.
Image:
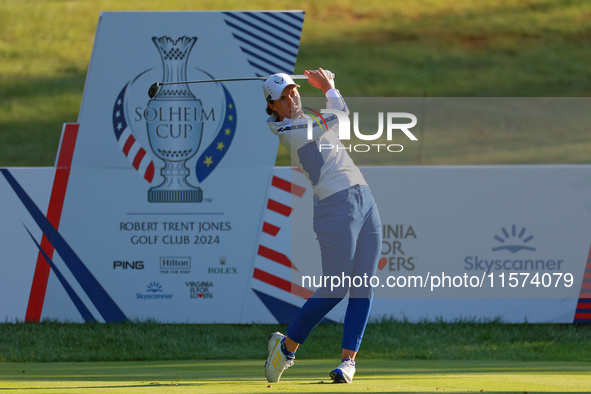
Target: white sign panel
502	241
165	194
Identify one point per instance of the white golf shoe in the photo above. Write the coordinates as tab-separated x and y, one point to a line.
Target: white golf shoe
344	372
277	362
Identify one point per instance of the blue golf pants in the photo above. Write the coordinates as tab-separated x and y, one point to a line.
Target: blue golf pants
349	231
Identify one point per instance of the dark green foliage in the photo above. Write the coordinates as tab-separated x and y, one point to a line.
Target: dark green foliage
52	341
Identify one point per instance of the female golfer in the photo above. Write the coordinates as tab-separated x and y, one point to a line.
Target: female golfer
346	220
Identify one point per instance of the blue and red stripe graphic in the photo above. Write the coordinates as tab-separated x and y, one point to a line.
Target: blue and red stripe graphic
54	213
583	311
270	40
52	241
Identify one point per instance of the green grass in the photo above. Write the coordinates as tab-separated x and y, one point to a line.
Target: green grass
435	48
464	340
396	356
307	376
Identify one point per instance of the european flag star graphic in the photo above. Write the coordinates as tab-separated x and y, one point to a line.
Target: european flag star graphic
214	153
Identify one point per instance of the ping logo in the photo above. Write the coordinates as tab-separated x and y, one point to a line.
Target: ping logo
513	241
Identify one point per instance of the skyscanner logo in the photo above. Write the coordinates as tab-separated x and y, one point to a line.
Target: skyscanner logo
513	240
154	291
512	248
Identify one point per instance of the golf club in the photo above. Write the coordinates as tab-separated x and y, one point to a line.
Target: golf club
153	90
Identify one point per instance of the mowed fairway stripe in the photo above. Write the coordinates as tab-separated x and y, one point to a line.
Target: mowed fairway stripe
222	376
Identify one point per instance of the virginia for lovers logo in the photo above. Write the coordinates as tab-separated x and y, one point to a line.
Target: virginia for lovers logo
173	125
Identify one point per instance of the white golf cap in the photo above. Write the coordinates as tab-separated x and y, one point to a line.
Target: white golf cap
275	84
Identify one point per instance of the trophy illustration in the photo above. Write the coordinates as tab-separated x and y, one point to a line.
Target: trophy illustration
174	124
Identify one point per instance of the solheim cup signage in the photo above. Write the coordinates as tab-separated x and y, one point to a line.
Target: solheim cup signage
174	122
165	193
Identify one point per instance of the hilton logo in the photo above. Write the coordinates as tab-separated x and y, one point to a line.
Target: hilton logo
175	265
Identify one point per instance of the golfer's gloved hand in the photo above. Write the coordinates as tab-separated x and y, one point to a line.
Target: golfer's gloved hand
320	79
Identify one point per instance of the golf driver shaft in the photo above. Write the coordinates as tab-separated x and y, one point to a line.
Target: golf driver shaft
154	88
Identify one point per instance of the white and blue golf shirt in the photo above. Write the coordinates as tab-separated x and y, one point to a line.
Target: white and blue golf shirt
329	170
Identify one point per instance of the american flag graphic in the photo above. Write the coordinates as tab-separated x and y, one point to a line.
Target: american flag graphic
139	158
